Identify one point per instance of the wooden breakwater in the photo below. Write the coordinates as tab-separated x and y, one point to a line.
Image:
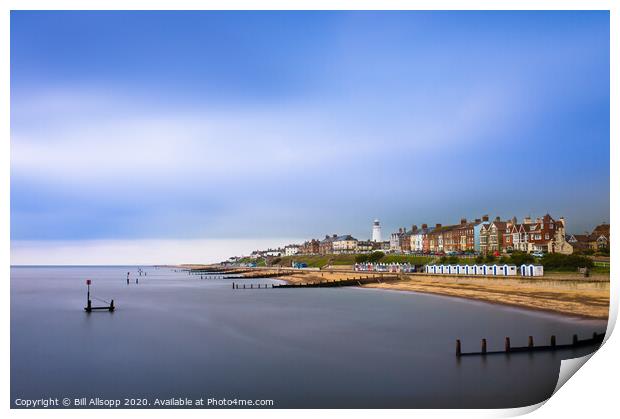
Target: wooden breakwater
218	272
258	275
320	284
597	339
354	282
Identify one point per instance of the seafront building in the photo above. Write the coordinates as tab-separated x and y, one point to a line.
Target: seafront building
543	234
344	244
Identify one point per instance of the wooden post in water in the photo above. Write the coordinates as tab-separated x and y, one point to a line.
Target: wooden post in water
233	285
112	305
507	344
575	340
483	348
458	347
553	341
530	342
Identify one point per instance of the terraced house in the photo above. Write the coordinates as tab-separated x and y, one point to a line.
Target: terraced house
492	236
344	244
544	234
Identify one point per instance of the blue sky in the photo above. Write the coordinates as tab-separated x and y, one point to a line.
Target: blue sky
259	125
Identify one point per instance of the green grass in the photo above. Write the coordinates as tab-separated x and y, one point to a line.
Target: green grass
259	262
318	261
412	259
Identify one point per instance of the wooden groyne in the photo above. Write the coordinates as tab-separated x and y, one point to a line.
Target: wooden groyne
251	286
321	284
354	282
258	275
218	272
597	339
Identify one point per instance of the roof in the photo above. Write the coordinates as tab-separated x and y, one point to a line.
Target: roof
601	230
345	237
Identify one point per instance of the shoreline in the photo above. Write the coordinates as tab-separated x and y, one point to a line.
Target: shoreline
559	293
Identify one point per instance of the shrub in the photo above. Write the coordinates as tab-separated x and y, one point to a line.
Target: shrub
479	259
521	258
490	259
373	257
559	262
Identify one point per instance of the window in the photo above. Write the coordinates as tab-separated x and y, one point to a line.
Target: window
546	236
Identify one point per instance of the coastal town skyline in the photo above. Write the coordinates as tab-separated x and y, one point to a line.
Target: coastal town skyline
484	235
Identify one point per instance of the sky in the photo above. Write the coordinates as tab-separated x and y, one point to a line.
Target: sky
176	135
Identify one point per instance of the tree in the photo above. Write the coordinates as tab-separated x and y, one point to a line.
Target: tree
560	262
373	257
521	258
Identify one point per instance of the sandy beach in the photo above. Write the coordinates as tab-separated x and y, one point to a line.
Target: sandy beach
565	293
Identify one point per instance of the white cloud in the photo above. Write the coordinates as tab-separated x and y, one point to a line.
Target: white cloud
85	137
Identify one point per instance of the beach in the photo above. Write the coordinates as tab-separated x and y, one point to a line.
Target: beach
564	293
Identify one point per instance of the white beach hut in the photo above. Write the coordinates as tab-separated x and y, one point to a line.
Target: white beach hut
531	270
484	270
510	270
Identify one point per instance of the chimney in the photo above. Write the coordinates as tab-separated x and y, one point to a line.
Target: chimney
497	218
527	220
437	226
463	221
485	218
334	235
327	236
414	228
478	220
538	220
424	226
400	230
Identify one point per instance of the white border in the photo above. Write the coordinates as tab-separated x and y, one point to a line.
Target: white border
591	394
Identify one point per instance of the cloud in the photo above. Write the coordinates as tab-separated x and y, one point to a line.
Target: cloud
85	137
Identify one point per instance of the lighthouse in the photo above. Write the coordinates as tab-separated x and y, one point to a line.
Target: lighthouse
376	231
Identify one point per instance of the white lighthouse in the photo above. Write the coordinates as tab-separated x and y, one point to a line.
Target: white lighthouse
376	231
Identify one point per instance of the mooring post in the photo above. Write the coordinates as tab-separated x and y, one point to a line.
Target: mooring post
233	285
483	345
88	291
594	335
458	347
575	339
243	286
111	305
530	342
553	341
507	344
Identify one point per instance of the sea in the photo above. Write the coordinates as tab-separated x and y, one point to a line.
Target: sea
175	336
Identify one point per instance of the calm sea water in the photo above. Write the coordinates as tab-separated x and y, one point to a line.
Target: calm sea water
174	335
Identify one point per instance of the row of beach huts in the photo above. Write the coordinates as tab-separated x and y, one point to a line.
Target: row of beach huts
486	270
482	270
